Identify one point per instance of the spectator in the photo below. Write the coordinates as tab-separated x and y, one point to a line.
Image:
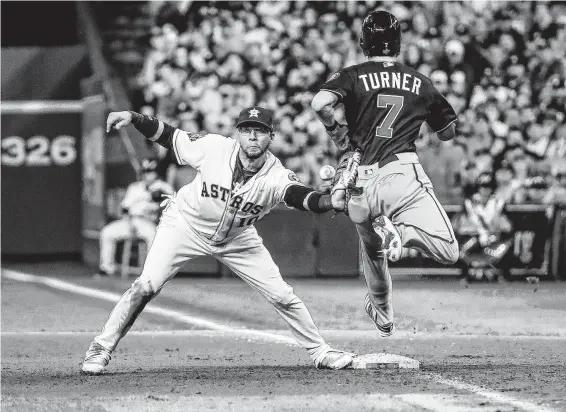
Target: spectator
454	61
556	194
483	230
141	212
557	148
500	64
537	190
442	162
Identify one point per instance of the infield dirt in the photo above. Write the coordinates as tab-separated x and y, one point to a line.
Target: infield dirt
504	338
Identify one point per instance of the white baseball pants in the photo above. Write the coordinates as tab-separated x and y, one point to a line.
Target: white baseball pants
175	243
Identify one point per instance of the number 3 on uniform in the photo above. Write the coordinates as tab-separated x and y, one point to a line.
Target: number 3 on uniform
394	104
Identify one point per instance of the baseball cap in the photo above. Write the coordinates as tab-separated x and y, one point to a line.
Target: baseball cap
257	115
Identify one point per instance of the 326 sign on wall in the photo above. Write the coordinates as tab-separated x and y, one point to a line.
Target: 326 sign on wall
41	178
38	151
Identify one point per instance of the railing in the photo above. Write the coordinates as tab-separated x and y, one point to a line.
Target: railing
113	89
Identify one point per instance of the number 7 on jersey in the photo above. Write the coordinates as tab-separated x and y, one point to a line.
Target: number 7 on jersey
394	104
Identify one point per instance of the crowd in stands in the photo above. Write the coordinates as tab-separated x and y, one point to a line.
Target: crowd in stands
501	65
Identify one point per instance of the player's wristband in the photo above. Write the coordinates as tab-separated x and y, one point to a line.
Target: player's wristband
153	129
319	202
324	204
136	117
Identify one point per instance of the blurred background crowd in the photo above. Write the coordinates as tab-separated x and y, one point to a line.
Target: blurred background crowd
501	65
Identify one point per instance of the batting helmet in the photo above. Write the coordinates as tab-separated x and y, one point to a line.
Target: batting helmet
381	34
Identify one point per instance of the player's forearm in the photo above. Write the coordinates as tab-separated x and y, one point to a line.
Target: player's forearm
154	129
323	203
307	199
326	116
323	106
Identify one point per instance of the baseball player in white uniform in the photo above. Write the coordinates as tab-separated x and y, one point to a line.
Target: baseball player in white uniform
141	211
238	182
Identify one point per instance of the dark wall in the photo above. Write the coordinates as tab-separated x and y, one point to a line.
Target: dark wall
39	23
41	183
41	163
43	73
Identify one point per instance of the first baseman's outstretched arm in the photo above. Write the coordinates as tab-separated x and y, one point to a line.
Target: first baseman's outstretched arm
153	129
307	199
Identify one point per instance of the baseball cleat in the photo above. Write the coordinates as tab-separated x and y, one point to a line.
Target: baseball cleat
334	359
384	330
96	359
390	239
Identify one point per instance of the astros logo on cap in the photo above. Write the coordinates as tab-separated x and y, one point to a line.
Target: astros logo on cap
254	113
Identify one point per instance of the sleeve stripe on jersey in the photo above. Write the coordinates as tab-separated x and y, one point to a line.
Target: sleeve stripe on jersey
287	187
175	150
306	201
159	132
438	131
332	91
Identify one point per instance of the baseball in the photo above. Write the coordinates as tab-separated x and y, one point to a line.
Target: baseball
327	172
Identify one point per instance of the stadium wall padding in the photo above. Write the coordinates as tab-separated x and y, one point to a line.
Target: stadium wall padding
337	246
307	245
41	199
41	161
291	242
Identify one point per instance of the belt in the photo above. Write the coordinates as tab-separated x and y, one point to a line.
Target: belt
369	171
387	160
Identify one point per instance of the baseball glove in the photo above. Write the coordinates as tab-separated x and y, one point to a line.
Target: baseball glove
346	174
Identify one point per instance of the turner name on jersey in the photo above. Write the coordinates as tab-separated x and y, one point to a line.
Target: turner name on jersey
209	204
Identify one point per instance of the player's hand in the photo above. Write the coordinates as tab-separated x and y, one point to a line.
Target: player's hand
338	197
117	120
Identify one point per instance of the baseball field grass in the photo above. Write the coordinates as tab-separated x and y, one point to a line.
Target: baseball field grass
208	344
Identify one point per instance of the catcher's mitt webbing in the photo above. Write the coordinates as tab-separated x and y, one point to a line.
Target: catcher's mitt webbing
347	173
348	162
352	169
342	163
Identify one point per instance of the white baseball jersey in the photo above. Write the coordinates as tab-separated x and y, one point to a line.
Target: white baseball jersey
209	204
211	217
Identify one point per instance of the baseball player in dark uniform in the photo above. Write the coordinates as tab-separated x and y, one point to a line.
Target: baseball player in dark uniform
393	203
